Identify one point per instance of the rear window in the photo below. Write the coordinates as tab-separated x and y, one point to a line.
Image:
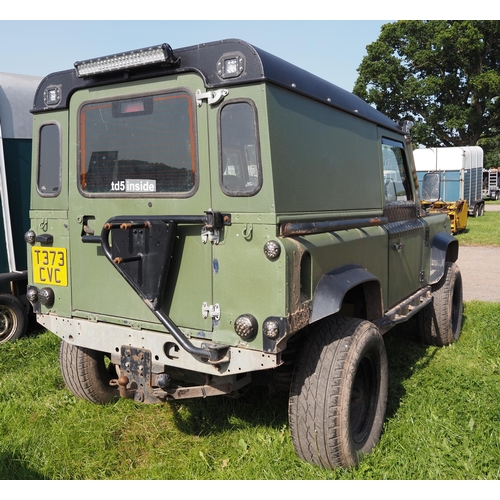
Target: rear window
239	152
138	146
49	160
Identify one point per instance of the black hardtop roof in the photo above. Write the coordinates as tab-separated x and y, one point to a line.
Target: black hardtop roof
260	66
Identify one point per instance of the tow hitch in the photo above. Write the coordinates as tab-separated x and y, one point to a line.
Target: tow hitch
138	382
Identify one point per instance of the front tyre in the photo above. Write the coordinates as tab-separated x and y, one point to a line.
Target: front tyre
440	323
339	393
87	373
13	318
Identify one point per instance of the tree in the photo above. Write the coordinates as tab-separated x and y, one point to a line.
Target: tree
491	148
442	75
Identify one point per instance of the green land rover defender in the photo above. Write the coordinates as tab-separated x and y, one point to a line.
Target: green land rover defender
211	217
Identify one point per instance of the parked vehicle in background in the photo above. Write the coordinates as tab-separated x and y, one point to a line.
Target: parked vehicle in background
266	221
491	184
16	100
451	182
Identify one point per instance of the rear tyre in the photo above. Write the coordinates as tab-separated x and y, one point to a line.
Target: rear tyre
440	323
87	373
13	318
339	393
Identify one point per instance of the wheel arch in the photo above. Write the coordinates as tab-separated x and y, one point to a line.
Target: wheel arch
347	281
444	249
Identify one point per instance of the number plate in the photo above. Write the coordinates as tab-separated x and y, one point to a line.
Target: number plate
50	266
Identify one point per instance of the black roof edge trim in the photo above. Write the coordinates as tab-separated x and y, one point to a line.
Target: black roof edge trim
260	66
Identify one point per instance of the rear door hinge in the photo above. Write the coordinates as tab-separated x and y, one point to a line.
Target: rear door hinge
214	223
210	310
212	96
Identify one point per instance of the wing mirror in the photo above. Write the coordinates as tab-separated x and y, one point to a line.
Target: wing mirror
431	187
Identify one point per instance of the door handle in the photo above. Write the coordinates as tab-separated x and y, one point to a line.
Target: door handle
88	238
88	235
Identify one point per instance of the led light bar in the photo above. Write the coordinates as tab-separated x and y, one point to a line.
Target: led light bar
159	54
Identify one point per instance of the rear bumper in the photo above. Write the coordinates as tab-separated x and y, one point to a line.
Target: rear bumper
165	350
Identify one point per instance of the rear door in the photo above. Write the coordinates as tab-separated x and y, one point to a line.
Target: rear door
139	150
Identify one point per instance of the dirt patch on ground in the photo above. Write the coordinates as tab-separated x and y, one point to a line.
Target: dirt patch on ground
480	268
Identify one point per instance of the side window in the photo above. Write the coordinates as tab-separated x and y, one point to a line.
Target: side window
49	160
240	172
397	184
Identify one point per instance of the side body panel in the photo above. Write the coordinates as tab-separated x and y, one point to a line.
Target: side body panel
323	160
326	166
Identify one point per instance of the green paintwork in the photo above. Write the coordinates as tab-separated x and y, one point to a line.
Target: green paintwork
317	162
322	159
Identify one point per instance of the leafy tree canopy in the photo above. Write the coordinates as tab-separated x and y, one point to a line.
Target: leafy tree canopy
442	75
491	148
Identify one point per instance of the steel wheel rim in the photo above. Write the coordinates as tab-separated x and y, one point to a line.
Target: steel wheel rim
8	323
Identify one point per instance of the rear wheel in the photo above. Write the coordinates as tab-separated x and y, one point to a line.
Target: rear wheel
13	318
339	393
440	323
88	373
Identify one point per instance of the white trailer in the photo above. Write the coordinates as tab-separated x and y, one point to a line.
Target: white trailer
460	171
16	101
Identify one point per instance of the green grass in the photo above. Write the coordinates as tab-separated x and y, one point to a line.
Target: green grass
443	416
482	231
443	421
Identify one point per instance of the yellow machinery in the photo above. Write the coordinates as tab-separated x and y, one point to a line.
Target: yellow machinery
457	212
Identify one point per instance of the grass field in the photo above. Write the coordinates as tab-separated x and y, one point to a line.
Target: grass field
442	421
482	231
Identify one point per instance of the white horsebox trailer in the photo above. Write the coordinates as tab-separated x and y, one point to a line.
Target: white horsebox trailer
461	173
16	124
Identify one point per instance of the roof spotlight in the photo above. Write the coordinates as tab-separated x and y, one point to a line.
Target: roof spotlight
160	54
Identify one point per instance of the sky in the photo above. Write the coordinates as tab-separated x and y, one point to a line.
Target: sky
331	49
327	38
